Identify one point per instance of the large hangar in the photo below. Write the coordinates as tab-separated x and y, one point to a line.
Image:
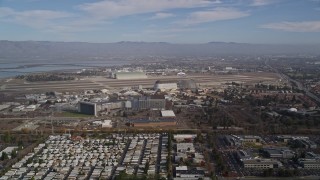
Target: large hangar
165	85
88	108
130	75
188	84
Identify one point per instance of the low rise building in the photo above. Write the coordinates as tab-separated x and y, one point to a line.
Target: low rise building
30	108
232	141
246	139
106	124
187	172
168	113
18	108
184	137
310	163
261	163
278	153
185	148
103	123
243	155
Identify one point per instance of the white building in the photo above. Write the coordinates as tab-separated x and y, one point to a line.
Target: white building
30	108
185	147
167	113
181	74
106	124
4	106
182	137
18	108
103	123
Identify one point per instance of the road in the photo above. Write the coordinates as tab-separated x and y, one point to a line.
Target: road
298	84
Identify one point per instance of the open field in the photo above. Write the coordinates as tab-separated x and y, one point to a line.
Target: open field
8	124
101	82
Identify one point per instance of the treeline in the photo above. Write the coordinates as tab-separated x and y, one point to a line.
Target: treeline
280	172
45	77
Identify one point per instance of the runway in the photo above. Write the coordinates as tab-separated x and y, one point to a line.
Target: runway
101	82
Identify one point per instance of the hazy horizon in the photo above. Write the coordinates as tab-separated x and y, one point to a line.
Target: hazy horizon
126	41
174	21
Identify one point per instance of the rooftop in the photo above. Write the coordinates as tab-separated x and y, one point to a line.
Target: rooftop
167	113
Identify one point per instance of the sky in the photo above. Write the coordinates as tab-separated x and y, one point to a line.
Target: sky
173	21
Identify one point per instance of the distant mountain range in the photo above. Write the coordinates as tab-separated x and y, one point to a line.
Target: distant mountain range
44	50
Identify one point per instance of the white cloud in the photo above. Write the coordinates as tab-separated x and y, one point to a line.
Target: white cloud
173	30
217	14
96	14
5	12
32	15
49	21
161	16
40	19
262	2
108	9
304	26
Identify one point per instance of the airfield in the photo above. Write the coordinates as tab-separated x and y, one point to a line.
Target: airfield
100	82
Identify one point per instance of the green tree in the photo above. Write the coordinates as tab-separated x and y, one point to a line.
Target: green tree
268	172
4	156
146	167
14	153
6	137
29	161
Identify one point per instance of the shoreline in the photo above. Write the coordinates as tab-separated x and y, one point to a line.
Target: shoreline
12	72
